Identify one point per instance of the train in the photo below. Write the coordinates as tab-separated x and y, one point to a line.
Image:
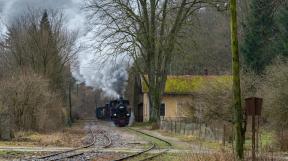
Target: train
117	111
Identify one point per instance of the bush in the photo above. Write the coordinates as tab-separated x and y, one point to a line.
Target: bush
274	91
30	103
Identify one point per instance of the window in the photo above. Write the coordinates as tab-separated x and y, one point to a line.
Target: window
162	109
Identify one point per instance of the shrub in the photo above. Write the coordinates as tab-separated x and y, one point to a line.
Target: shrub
274	91
30	103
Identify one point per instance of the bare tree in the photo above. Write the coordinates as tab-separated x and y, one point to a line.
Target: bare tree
34	53
39	40
146	30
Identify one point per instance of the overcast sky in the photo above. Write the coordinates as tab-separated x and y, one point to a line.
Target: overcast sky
107	77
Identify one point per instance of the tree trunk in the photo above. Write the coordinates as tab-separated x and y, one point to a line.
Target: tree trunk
155	96
155	102
238	112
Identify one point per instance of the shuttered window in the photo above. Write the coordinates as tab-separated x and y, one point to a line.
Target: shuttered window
162	109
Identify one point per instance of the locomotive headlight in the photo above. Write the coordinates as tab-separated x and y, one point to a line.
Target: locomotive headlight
128	114
114	114
121	107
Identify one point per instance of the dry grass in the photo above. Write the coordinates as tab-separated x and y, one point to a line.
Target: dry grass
69	137
219	156
195	140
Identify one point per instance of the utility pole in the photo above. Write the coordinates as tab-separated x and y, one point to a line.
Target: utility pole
238	112
70	103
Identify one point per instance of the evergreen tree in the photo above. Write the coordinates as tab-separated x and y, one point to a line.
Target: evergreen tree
281	43
258	34
50	57
44	23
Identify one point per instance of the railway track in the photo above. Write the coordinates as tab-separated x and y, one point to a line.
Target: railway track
69	154
152	147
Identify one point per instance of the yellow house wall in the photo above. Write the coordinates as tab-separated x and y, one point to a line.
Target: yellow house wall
176	106
170	106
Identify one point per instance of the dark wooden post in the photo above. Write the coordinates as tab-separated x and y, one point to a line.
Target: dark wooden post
70	103
184	127
257	135
180	128
224	134
171	129
253	106
253	137
175	125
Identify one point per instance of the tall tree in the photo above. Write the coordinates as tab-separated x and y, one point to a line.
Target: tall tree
45	47
147	30
44	23
281	43
238	120
50	57
258	34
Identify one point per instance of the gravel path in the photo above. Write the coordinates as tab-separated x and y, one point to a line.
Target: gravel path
103	133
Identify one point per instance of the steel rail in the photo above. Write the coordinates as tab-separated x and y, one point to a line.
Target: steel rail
71	150
146	150
81	153
137	154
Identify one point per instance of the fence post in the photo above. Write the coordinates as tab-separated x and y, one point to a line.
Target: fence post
175	125
192	128
224	133
184	127
199	129
171	129
205	130
180	127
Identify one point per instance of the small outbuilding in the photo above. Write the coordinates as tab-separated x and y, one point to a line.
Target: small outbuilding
177	100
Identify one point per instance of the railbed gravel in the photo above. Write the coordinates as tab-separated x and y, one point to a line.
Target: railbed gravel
120	139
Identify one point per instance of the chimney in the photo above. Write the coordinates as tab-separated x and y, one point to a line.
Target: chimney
206	72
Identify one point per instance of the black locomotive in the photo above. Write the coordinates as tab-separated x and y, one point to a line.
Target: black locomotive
117	111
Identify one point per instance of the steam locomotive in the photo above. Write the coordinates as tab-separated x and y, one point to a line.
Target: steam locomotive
116	111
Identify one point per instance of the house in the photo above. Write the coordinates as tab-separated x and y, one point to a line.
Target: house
177	100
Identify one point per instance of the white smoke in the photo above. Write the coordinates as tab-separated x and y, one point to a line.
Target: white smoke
109	75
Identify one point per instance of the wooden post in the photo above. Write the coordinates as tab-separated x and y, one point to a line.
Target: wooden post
200	130
253	108
185	127
205	130
180	128
70	103
171	129
175	125
224	134
257	135
253	138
